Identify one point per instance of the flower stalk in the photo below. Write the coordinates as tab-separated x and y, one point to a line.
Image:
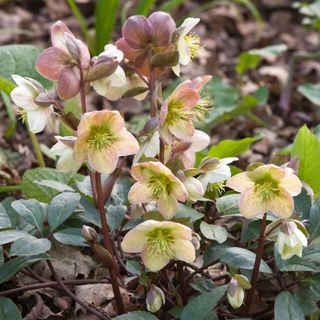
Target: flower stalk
36	147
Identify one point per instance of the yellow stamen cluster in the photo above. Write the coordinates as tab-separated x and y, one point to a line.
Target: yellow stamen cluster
160	241
193	42
100	137
267	188
160	186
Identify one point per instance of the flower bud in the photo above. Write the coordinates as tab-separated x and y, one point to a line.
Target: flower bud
72	46
181	147
155	299
196	240
135	92
150	126
235	290
103	255
167	59
208	164
291	239
102	67
89	233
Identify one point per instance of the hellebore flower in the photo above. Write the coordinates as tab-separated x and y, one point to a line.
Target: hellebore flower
155	299
235	290
142	37
62	61
180	109
291	240
215	170
102	139
267	187
155	182
64	149
159	242
24	96
188	43
194	187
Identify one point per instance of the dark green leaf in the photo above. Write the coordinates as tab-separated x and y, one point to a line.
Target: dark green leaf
311	92
136	315
8	236
8	310
314	224
29	247
229	204
71	237
286	307
133	266
184	211
115	216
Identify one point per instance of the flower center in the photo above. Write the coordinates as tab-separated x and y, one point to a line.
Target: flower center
201	108
160	185
193	42
176	113
160	241
267	188
100	137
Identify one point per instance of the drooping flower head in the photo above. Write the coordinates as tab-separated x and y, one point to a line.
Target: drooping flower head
61	62
265	188
24	96
180	109
155	298
156	182
235	290
102	139
187	42
159	242
143	37
291	239
64	150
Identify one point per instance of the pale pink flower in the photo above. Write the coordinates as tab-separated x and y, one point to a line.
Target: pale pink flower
159	242
102	139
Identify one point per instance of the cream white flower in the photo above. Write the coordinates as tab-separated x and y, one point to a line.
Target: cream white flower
235	290
188	43
24	95
159	242
155	298
64	150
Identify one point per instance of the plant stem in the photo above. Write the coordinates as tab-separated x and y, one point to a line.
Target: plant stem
107	244
10	188
36	147
97	313
257	262
152	85
49	284
183	287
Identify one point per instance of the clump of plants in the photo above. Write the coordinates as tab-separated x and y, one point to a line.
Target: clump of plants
185	233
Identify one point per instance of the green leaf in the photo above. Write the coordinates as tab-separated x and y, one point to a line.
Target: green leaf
314	224
32	189
89	212
201	307
229	204
286	307
31	211
242	258
8	310
307	300
10	268
307	147
5	221
214	232
115	216
29	247
105	19
133	266
11	114
184	211
20	59
6	86
311	92
71	237
246	62
270	51
232	148
202	285
8	236
61	208
56	185
136	315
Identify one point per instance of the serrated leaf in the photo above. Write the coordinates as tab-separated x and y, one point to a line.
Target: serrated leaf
29	247
33	190
71	237
201	307
286	307
8	310
31	211
61	208
306	147
213	232
20	59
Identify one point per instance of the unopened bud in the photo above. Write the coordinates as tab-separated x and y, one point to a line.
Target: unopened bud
88	233
235	290
181	146
155	299
135	92
196	240
167	59
150	126
208	164
72	46
103	255
102	67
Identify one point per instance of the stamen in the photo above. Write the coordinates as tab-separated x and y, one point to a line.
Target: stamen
176	113
193	42
201	108
267	188
160	186
160	242
100	137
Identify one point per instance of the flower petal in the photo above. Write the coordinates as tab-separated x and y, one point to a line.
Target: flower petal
163	25
126	143
104	161
251	205
282	205
37	120
67	162
57	35
195	189
182	129
135	239
24	98
154	262
179	190
291	183
184	52
240	182
51	62
129	52
200	140
68	83
183	250
139	193
168	206
196	84
137	31
81	149
188	98
189	24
